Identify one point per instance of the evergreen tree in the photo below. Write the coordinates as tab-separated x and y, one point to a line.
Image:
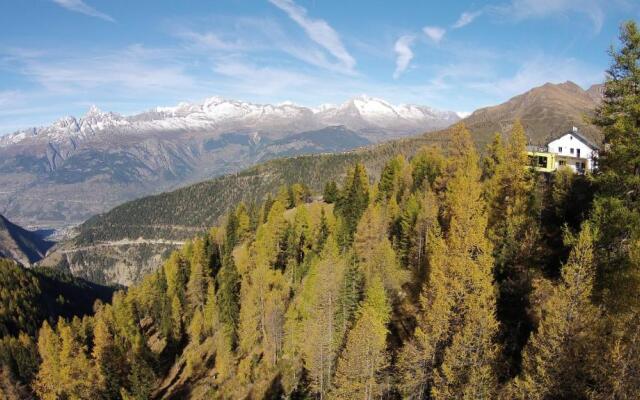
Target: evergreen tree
199	275
513	228
228	297
390	179
617	207
330	194
556	359
353	200
453	351
107	357
427	165
360	367
619	119
312	322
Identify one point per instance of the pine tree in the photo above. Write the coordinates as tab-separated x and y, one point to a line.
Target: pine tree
390	179
199	276
427	165
359	370
374	252
108	361
457	322
513	228
330	192
617	363
228	297
67	371
353	200
619	119
556	359
47	383
617	206
314	333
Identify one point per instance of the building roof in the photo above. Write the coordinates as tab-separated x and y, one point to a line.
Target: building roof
576	133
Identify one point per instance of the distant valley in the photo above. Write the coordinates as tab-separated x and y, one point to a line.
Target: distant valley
62	174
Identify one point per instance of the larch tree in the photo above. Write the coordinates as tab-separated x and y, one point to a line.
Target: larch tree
513	226
427	165
619	119
453	352
199	275
228	297
47	381
556	359
313	330
617	204
360	367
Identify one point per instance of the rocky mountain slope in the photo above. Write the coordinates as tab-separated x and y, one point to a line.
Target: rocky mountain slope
545	111
77	167
21	245
123	244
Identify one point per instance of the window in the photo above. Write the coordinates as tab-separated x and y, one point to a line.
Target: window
542	162
578	153
559	149
562	162
571	151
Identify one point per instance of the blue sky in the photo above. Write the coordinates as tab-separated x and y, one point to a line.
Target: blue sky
57	57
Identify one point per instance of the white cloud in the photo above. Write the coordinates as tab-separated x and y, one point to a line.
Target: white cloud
404	54
209	40
83	8
252	80
527	9
434	33
466	18
319	31
9	97
134	68
537	71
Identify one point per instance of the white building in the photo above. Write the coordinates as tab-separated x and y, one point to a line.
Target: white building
575	151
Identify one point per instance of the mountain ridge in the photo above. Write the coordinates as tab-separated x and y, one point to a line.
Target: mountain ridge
84	166
20	244
214	112
178	214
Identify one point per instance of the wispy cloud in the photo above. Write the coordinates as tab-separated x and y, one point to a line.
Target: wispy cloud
434	33
133	68
209	40
319	31
259	80
537	71
83	8
9	97
404	54
518	10
257	36
466	18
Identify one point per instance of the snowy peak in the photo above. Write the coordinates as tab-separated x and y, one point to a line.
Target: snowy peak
217	114
369	112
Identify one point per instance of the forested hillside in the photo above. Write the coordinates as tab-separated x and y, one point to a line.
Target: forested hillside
453	275
107	248
27	298
449	278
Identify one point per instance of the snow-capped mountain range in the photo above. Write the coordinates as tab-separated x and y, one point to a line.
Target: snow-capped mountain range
86	165
377	119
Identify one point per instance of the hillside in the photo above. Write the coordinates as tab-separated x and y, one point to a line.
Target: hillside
29	297
20	244
163	221
544	111
447	276
87	165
